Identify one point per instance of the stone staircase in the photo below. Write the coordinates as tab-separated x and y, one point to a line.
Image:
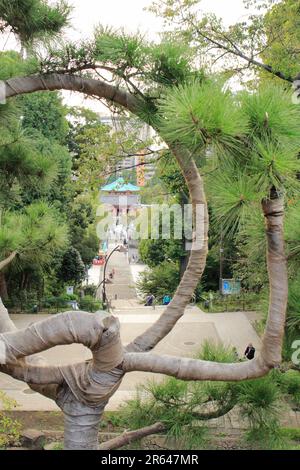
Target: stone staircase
122	287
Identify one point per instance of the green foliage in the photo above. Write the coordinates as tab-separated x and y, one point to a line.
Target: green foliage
154	252
266	156
24	166
233	196
44	112
33	233
172	63
260	402
121	49
164	402
171	176
9	428
290	384
159	281
270	112
283	49
292	234
187	119
13	66
72	268
34	20
217	353
89	304
293	315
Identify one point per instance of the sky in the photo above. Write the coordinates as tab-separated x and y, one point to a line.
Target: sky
130	15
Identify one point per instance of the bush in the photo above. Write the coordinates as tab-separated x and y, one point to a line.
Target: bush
260	402
214	352
159	281
59	302
90	290
89	304
9	428
290	383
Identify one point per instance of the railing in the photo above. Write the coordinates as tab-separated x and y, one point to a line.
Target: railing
51	306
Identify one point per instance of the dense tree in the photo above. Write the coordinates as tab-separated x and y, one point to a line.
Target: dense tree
72	269
33	20
45	113
266	41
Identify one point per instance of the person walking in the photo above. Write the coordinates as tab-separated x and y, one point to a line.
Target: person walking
149	300
166	299
250	352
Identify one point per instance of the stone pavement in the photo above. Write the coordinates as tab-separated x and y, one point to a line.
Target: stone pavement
184	340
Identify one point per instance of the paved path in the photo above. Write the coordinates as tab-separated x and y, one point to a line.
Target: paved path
185	340
122	286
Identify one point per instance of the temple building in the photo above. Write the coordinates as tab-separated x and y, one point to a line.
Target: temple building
121	196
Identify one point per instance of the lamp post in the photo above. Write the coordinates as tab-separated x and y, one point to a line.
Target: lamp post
118	248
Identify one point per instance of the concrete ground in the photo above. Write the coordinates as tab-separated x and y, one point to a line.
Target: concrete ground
193	328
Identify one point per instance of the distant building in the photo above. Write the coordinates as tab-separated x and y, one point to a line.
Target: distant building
134	163
122	197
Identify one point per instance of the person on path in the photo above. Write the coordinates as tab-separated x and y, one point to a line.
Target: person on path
250	352
149	300
166	299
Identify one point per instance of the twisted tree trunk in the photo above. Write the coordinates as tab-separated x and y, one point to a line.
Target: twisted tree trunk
82	390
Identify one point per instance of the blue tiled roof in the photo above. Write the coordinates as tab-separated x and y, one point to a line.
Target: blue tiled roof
120	186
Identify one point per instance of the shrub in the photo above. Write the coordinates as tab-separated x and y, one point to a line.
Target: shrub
89	304
214	352
90	290
9	428
160	280
260	402
290	383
